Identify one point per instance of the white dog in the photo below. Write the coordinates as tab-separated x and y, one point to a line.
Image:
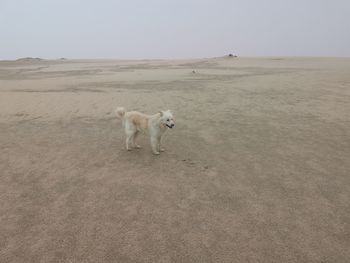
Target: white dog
135	122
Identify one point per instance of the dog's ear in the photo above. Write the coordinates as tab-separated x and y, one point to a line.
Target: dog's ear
161	113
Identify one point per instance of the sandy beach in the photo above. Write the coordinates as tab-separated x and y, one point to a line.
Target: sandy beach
256	169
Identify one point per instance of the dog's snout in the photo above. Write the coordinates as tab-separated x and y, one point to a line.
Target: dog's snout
172	125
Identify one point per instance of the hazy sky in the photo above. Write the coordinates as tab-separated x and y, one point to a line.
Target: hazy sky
173	28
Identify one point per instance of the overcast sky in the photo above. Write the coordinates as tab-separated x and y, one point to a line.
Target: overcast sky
173	28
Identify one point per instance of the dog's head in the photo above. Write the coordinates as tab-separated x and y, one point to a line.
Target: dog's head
167	119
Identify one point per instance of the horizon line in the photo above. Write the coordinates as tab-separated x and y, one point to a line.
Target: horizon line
234	56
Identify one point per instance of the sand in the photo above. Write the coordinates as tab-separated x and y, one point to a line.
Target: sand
257	168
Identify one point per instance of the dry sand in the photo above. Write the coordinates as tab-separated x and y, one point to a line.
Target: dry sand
257	168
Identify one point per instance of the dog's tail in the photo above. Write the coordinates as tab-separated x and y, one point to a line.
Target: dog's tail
120	112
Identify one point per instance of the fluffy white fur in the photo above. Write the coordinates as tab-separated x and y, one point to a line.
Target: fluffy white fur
135	122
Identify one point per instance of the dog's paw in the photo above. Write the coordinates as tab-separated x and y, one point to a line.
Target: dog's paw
138	147
156	153
128	149
162	150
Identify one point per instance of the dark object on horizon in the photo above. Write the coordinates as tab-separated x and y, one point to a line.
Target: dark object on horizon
29	59
193	71
231	55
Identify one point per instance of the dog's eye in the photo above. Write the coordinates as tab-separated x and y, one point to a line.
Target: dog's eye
167	120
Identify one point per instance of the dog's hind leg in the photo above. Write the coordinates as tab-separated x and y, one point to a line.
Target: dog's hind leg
134	143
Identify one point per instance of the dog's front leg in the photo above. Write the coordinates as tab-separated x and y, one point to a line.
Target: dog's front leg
160	140
155	145
127	141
